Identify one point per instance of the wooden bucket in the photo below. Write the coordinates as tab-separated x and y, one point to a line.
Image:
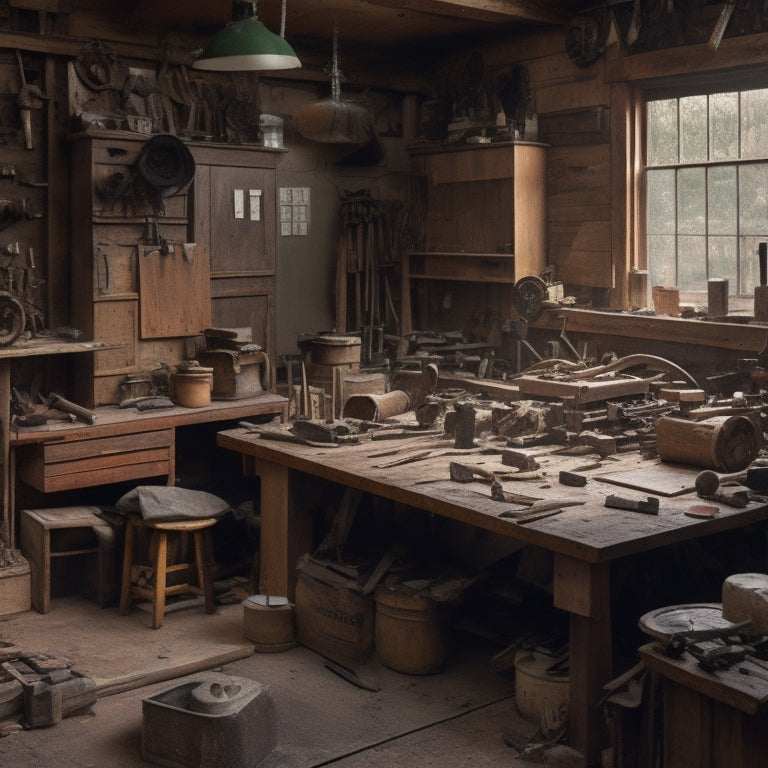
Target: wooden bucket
409	635
722	443
268	622
192	390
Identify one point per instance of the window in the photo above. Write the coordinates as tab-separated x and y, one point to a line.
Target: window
707	188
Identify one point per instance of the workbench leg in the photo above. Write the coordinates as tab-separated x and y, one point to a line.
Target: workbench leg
6	525
286	529
583	589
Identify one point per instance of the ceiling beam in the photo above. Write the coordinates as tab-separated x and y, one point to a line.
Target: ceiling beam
543	11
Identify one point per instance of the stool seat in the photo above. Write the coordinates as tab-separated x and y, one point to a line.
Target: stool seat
200	529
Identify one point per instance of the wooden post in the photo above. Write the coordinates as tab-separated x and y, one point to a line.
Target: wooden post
638	288
583	589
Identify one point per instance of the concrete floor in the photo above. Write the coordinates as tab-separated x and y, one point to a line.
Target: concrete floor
458	718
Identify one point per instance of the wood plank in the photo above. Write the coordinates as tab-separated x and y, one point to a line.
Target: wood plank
659	479
498	11
581	391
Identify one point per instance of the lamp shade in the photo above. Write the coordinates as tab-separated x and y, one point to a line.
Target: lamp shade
247	45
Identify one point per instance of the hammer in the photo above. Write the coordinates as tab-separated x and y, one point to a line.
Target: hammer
708	482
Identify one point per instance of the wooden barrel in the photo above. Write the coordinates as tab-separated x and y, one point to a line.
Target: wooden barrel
722	443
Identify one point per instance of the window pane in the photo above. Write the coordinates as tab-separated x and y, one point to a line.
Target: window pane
749	263
692	263
722	260
661	202
662	132
754	117
691	196
724	126
722	202
753	199
661	260
693	129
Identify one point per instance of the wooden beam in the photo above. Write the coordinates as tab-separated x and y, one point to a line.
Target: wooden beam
545	12
687	59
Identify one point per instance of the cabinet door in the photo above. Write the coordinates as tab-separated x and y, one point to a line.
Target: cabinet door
242	215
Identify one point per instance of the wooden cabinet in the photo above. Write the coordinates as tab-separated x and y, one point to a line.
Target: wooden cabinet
234	201
484	227
148	304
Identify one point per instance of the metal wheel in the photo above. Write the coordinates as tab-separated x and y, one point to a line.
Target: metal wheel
528	296
12	319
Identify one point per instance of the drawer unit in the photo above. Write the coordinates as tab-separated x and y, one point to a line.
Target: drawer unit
69	464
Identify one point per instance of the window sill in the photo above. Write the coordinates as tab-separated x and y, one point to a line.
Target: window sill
735	334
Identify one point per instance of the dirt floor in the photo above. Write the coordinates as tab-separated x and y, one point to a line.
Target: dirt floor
461	717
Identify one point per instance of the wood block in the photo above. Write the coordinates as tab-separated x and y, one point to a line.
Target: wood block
682	395
523	460
761	303
717	296
638	288
666	301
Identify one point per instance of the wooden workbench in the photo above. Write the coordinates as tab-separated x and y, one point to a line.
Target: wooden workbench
583	538
122	444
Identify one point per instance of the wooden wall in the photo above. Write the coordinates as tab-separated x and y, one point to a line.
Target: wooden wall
573	105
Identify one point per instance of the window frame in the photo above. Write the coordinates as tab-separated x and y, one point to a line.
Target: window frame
680	86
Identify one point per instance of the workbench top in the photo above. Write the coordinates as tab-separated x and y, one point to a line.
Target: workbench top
415	471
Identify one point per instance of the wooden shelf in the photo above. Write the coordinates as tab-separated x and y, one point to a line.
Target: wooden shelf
491	237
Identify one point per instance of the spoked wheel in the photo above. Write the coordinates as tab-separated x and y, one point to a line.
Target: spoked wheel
528	296
12	319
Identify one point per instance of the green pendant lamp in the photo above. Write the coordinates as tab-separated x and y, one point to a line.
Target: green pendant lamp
248	45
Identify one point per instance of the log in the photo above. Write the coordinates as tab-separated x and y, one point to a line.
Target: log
722	443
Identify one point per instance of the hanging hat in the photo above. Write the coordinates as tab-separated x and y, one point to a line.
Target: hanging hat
166	164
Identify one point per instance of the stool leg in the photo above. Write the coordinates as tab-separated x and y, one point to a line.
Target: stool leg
161	565
125	587
203	560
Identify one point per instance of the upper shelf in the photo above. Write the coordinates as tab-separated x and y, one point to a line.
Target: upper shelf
452	163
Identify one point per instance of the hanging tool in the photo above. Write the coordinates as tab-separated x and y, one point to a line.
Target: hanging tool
30	97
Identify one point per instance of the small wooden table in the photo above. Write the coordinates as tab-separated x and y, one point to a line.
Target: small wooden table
717	719
583	538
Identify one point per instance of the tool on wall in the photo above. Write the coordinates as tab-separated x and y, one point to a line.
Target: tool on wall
30	97
364	248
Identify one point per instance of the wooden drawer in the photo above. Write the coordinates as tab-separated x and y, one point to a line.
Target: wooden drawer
51	467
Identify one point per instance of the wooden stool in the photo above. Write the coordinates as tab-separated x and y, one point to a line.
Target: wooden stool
200	530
